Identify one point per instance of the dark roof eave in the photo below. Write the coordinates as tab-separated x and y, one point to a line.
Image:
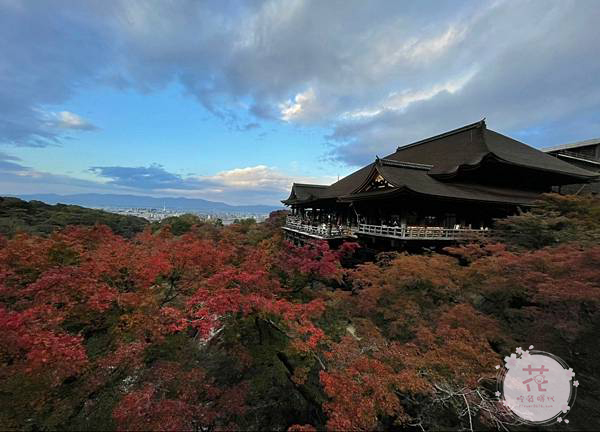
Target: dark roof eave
310	201
398	191
589	177
471	166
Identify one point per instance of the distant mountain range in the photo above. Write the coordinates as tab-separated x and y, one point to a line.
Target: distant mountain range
124	201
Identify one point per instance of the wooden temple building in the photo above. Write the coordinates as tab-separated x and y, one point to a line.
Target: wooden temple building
445	188
583	154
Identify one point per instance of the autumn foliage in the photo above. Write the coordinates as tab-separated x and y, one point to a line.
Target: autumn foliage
207	327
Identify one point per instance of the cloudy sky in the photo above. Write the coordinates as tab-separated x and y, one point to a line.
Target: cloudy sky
234	100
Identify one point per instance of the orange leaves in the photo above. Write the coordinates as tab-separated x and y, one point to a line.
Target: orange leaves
174	398
411	327
565	272
461	351
316	260
104	315
407	274
103	312
302	428
464	316
550	291
360	387
71	289
33	347
474	251
208	306
147	409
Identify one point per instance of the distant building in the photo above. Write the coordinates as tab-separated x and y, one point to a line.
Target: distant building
444	188
583	154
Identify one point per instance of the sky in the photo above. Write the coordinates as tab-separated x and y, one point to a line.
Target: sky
234	100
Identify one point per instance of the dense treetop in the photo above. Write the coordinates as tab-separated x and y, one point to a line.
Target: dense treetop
192	326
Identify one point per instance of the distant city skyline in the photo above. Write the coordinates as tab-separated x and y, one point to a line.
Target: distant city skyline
233	101
153	215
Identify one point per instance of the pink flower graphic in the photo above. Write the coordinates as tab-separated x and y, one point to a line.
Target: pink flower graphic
527	381
567	421
497	366
511	361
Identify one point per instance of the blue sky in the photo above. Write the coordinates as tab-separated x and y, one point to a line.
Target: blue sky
234	100
170	128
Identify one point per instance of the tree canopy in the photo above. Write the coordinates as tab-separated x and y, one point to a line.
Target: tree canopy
195	326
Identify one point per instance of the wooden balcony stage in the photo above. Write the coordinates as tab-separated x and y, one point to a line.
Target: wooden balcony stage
421	233
295	228
317	232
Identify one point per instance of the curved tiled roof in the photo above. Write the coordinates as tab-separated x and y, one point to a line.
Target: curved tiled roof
424	166
468	146
302	192
406	178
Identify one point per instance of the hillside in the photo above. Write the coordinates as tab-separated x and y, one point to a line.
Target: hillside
36	217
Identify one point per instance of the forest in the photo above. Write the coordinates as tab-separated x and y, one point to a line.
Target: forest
193	326
36	217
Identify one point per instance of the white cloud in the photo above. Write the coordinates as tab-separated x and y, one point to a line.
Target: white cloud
426	49
69	120
298	107
256	184
251	177
399	101
258	177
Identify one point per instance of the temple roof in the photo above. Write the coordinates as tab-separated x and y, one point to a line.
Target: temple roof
405	178
468	146
573	145
426	166
302	192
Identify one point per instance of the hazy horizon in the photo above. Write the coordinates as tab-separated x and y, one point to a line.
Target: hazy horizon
104	199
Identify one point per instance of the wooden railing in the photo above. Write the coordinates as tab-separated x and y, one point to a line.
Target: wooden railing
421	233
321	230
395	232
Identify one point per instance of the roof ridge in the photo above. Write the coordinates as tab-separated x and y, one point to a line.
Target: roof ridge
480	123
575	144
403	164
310	184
